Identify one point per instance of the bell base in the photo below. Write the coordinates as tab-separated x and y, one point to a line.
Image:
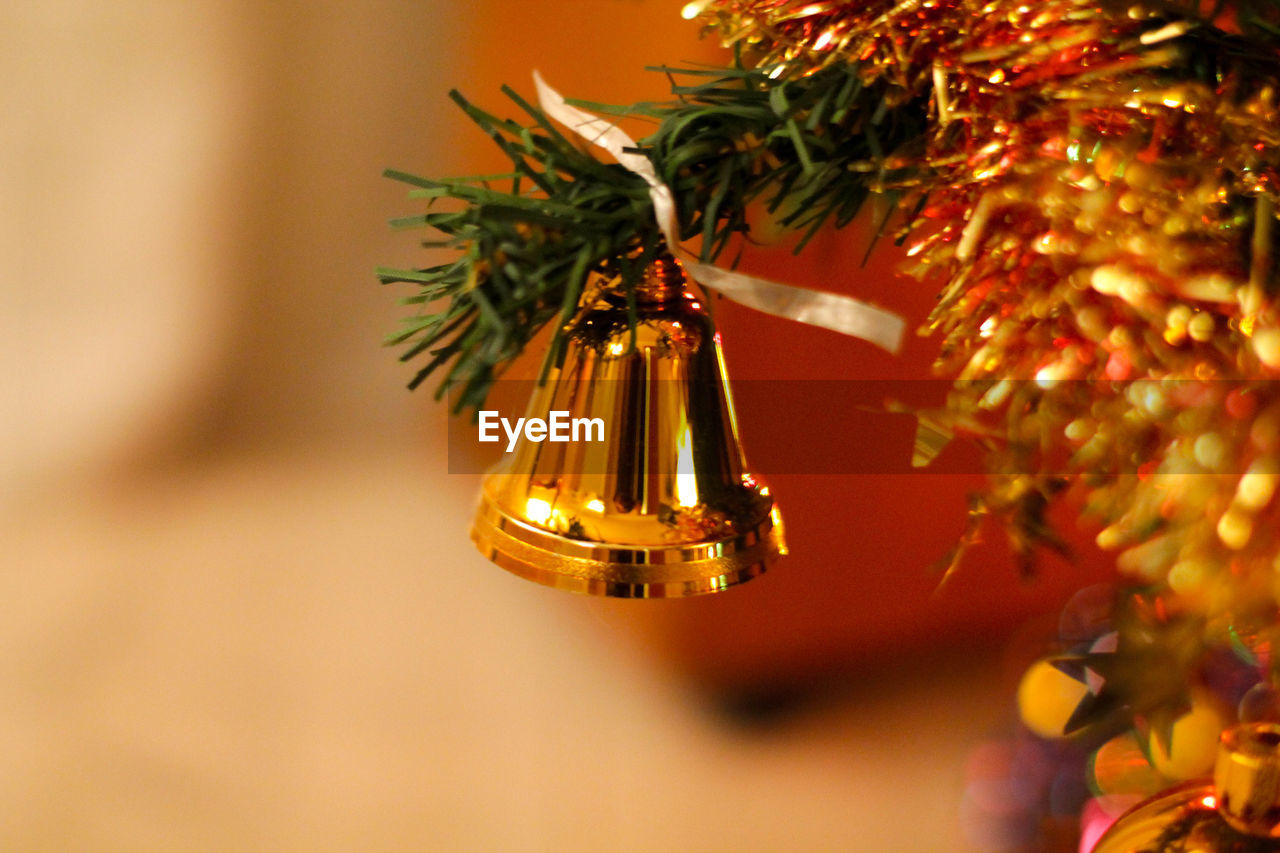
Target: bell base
624	571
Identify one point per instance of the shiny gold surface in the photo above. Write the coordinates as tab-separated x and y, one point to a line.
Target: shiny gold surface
1185	811
664	506
1247	779
1242	804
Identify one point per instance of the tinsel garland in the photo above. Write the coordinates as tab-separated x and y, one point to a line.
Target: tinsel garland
1101	190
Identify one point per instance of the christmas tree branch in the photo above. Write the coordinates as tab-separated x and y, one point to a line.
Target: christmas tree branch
812	149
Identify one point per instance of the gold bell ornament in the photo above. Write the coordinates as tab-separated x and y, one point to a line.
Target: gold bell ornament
1238	812
652	497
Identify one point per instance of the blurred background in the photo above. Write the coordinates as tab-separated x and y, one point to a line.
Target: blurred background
240	608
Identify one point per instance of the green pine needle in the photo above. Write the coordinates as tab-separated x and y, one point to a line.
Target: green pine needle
530	237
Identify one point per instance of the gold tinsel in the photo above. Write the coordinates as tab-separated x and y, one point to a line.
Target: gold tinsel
1100	221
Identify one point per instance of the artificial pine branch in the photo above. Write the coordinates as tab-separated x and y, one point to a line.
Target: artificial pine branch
811	147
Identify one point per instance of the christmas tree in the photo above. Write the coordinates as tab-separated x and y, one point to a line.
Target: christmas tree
1091	190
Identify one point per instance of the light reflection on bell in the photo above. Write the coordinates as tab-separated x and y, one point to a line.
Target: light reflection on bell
664	506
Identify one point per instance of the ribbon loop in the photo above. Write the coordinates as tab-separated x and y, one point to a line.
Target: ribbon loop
813	307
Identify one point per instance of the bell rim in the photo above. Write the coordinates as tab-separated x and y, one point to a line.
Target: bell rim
767	529
625	571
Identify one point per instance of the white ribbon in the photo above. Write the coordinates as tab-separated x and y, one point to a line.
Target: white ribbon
839	313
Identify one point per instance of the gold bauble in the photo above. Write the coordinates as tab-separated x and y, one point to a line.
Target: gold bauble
1047	697
1238	811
